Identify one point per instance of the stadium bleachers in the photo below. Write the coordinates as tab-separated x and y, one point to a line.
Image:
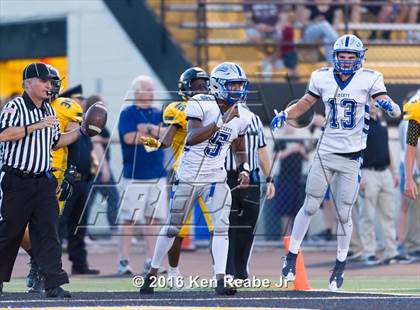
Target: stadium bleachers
398	60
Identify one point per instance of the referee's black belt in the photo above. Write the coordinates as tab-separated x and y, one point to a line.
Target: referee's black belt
24	174
254	175
376	168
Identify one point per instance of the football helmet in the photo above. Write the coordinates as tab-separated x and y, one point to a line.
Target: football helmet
221	79
184	83
351	44
55	81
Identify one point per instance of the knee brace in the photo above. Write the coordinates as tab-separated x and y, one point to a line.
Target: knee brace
311	204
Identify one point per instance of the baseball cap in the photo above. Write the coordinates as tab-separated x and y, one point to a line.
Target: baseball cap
38	70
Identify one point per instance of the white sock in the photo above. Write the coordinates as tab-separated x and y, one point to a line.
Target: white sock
343	239
162	247
220	247
300	227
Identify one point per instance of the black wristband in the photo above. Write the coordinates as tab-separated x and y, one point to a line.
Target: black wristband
269	180
26	130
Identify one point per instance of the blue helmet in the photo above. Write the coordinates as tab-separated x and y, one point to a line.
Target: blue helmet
351	44
221	78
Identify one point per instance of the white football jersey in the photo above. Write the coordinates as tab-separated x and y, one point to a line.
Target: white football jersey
205	162
346	107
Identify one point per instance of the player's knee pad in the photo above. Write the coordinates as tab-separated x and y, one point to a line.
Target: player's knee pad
172	231
311	204
221	224
344	212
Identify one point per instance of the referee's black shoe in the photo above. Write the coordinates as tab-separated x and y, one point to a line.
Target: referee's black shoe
31	277
147	287
37	285
221	289
57	292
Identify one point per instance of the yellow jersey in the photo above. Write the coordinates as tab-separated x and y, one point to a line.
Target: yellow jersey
174	114
67	111
412	108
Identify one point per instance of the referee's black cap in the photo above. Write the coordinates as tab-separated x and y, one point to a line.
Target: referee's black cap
38	70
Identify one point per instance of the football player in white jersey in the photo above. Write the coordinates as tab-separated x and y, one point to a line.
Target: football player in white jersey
346	90
215	122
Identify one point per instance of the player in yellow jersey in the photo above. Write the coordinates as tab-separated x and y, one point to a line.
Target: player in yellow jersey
412	114
69	114
193	81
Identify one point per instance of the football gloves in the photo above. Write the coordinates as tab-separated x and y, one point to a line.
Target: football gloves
150	144
279	120
66	188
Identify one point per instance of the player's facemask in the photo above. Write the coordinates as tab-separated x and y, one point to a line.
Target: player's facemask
233	93
345	66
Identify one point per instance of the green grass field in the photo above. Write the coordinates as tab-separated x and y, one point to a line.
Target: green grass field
406	285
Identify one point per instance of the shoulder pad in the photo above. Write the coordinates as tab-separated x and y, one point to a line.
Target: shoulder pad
174	113
323	69
68	108
412	111
368	70
202	97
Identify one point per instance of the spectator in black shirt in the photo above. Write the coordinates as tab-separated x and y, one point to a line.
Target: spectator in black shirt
379	180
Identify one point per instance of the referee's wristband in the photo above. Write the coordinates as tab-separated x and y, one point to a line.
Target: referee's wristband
269	180
26	130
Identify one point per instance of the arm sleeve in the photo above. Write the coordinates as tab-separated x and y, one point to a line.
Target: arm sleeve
413	133
261	137
9	116
378	88
194	110
312	87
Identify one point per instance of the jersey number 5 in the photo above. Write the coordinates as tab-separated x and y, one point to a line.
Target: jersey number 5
349	119
215	144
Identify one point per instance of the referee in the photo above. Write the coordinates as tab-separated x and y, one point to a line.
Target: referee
246	202
29	131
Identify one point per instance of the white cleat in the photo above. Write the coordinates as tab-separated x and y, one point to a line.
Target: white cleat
124	268
174	280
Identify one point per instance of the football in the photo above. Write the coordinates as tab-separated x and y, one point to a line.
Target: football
95	119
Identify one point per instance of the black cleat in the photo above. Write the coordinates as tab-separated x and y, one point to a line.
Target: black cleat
337	276
57	292
221	289
147	288
289	267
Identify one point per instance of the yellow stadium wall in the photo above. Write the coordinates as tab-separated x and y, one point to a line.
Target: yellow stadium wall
11	73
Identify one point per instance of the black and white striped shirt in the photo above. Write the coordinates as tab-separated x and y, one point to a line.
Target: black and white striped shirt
254	140
33	152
